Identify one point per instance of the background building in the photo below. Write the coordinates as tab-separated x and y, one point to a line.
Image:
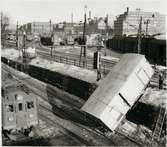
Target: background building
39	27
128	23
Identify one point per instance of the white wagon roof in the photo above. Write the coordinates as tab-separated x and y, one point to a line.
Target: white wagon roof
119	90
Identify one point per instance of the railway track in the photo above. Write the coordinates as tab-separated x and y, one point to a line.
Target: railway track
105	68
87	137
69	58
78	140
23	140
43	110
104	62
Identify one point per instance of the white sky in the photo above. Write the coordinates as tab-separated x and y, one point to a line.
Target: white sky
60	10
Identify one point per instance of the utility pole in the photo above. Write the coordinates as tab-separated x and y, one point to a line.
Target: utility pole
97	63
50	22
34	27
17	45
97	59
106	33
83	46
147	22
24	53
42	29
52	45
24	50
139	36
17	39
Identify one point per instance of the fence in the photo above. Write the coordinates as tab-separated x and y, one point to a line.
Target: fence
105	68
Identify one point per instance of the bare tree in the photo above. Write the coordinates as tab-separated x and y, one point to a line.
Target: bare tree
4	30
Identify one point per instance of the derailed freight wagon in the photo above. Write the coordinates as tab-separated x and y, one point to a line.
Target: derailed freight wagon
118	92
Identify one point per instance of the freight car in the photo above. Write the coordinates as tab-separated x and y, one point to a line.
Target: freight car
153	49
80	88
19	108
46	40
119	90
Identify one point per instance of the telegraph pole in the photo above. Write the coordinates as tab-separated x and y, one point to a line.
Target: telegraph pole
24	47
17	45
98	58
106	32
42	29
147	22
52	37
139	36
84	37
50	22
34	27
24	54
83	46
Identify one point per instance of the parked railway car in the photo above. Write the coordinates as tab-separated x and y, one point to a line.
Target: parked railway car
153	49
79	40
47	41
80	88
19	107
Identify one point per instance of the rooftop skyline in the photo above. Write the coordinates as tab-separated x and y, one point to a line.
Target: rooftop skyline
61	10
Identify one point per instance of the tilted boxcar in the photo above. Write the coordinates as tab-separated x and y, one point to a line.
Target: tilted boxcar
119	90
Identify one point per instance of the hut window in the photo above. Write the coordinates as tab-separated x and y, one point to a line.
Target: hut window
3	92
30	105
20	107
10	108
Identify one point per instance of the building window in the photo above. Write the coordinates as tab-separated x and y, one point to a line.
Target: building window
20	107
3	92
10	108
30	105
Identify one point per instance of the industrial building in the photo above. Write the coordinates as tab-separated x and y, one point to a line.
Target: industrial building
128	23
38	27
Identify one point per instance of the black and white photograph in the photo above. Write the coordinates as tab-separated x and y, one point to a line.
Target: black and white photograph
83	73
